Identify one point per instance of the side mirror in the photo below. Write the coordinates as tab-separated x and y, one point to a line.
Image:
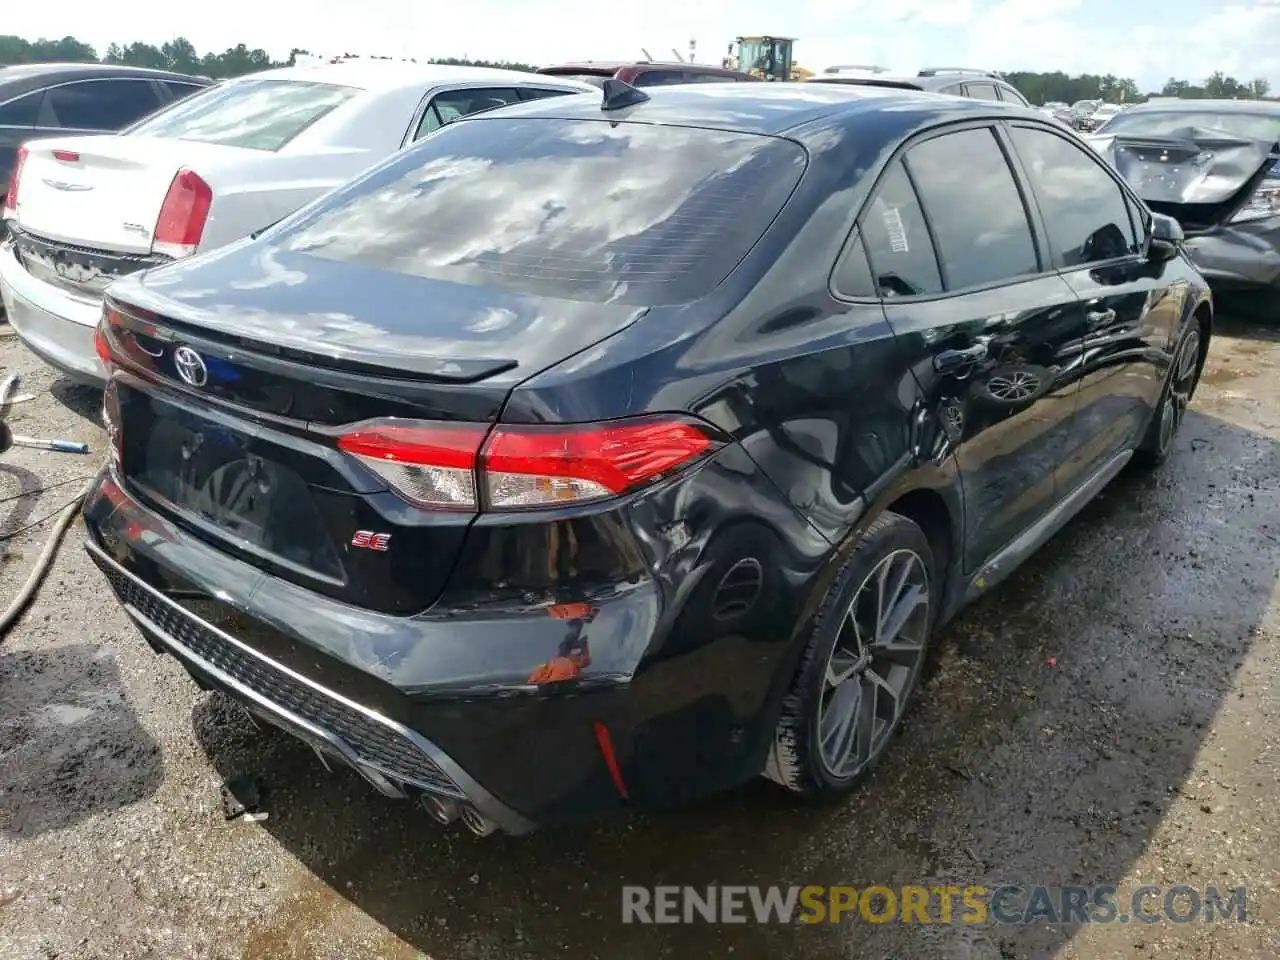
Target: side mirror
1166	238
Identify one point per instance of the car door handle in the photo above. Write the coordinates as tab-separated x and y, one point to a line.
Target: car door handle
949	361
1099	318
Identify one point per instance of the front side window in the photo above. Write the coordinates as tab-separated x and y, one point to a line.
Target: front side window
974	206
452	104
255	114
897	243
1085	212
584	210
98	104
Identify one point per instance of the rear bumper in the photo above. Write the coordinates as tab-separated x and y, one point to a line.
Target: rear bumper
443	705
56	326
392	757
1239	255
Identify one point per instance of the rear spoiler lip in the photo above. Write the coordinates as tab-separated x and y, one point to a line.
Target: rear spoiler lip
143	309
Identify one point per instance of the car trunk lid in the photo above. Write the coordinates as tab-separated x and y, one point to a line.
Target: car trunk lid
106	192
246	453
1199	176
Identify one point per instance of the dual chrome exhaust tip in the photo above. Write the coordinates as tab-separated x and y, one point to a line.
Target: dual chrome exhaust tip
446	810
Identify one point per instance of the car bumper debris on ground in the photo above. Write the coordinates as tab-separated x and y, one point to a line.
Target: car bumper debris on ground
1107	717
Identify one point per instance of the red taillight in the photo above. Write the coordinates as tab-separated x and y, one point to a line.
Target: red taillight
542	466
182	215
100	344
450	466
66	156
11	196
429	464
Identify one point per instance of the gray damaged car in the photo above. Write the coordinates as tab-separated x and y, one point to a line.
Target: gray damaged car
1214	165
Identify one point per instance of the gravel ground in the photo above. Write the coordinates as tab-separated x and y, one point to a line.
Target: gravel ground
1108	716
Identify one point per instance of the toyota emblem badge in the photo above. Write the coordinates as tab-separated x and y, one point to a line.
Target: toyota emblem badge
190	367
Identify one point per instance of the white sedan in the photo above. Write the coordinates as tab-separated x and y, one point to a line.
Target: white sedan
222	164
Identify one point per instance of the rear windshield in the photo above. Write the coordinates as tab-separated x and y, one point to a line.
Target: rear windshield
258	114
578	209
1158	123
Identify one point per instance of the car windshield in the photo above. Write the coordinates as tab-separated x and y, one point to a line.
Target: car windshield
1085	105
257	114
576	209
1158	123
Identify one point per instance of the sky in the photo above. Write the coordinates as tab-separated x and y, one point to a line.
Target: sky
1150	42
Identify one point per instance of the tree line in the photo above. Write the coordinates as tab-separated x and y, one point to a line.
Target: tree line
181	56
1062	88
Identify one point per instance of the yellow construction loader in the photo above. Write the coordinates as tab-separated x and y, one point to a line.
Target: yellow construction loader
768	58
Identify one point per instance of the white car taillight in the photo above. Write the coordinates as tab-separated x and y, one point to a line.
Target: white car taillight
444	466
11	195
181	222
1264	203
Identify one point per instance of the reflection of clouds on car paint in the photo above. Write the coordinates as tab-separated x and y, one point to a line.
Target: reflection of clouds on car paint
274	274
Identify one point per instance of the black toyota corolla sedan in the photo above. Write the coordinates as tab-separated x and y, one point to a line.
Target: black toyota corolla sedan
605	451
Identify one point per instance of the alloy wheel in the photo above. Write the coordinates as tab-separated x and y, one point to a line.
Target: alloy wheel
1181	384
1014	386
878	651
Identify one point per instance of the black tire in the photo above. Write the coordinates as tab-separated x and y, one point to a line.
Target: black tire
797	760
1175	397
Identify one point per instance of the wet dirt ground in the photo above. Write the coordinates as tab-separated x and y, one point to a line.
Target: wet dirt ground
1110	715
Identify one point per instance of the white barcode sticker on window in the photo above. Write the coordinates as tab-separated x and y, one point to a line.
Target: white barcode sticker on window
897	231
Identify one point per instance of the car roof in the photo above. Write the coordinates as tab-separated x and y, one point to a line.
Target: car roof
1264	107
387	75
589	66
33	75
931	83
767	108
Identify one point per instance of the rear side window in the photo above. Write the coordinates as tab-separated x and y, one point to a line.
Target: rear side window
575	209
177	89
975	209
98	104
1085	212
1010	95
22	111
257	114
541	93
452	104
982	91
897	242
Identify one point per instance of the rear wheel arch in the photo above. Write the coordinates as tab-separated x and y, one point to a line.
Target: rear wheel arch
928	509
1204	313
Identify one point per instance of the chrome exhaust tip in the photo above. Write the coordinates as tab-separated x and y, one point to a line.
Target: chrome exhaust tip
442	809
477	823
